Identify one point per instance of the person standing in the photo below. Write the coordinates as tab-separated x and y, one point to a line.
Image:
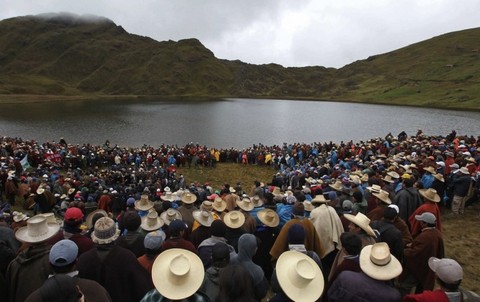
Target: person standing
461	185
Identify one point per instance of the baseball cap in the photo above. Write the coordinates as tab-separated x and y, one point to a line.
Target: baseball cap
426	217
454	166
73	214
154	240
447	270
63	253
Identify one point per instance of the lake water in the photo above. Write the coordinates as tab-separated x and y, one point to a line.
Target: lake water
223	123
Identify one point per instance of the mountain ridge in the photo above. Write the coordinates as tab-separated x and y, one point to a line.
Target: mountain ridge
71	55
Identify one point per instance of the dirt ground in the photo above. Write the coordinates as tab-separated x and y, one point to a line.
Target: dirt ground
462	243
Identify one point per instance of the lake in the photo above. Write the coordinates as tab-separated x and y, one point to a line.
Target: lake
223	123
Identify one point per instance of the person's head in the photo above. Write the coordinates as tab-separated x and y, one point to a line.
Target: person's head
448	273
351	242
72	219
60	288
426	219
63	256
357	196
218	228
177	228
296	234
220	255
153	242
389	214
408	182
235	284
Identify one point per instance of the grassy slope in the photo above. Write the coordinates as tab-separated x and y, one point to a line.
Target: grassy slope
65	55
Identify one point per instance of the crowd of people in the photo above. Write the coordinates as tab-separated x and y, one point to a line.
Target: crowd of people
349	221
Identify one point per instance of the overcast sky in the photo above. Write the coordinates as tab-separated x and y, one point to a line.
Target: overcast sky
329	33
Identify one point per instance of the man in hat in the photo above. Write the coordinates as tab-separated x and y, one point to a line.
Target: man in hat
387	232
407	200
63	258
21	281
461	185
329	227
448	275
427	177
177	229
429	243
312	240
187	208
431	199
113	266
382	200
374	282
220	258
72	220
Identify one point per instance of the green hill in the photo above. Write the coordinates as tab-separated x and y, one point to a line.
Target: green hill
68	55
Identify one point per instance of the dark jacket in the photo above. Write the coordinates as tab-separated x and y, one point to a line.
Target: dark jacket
461	184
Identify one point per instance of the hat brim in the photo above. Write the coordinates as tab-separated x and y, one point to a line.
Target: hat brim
197	215
385	200
22	234
167	221
219	208
143	207
262	214
385	272
292	285
244	206
177	287
234	224
366	228
97	240
145	226
435	199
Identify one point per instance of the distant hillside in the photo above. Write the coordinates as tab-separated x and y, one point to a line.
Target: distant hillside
54	54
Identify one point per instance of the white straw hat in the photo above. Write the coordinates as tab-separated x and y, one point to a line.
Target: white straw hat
269	217
144	204
177	273
189	198
377	262
170	215
245	204
430	194
234	219
362	221
151	222
383	196
299	276
38	229
205	218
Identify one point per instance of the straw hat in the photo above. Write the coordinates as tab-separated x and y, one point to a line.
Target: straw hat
245	204
170	215
257	201
105	231
40	190
430	194
234	219
374	188
319	199
299	276
168	196
231	190
268	217
276	191
177	273
151	222
337	186
205	218
19	216
71	191
383	196
377	262
50	217
206	205
38	229
464	170
189	198
219	204
361	221
429	169
308	206
88	220
144	204
394	174
364	178
388	179
439	177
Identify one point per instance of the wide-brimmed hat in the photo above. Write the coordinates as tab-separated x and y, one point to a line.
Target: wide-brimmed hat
394	174
105	231
71	191
206	205
40	190
89	219
234	219
377	262
268	217
257	201
151	222
388	179
383	196
168	196
50	217
189	198
276	191
319	199
374	188
144	204
439	177
245	204
308	206
37	230
464	170
364	178
231	190
170	215
205	218
299	276
177	273
19	216
430	194
429	169
337	186
219	204
361	221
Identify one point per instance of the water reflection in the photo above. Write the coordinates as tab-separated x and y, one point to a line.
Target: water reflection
222	123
